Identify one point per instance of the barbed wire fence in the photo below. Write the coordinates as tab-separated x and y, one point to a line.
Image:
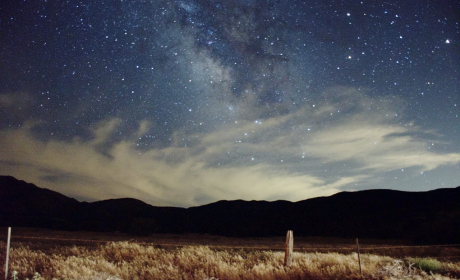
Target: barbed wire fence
288	247
351	248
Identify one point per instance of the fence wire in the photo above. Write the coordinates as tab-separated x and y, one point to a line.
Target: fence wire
281	247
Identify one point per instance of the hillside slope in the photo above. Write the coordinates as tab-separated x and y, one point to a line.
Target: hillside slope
428	217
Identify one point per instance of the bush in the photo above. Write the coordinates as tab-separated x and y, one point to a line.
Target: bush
426	264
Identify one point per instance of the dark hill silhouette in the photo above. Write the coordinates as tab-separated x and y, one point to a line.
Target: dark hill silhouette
428	217
24	204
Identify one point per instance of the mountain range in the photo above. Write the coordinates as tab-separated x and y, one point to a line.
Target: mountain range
423	217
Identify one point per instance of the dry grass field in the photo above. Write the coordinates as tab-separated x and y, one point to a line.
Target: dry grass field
46	254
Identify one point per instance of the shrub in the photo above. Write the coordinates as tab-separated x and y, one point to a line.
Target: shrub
426	264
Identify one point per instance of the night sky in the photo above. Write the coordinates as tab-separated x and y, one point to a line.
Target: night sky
183	103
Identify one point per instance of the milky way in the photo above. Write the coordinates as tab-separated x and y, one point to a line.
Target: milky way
188	102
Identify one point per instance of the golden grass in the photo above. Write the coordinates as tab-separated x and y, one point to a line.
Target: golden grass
131	260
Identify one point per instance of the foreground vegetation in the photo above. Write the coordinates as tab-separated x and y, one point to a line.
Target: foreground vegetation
131	260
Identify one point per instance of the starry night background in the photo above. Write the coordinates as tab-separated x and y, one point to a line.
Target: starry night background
184	103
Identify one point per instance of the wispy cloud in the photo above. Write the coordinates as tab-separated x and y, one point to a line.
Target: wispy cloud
282	157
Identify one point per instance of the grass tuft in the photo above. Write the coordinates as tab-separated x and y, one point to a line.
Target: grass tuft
131	260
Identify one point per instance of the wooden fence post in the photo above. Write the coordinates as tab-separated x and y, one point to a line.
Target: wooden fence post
289	248
359	258
7	252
